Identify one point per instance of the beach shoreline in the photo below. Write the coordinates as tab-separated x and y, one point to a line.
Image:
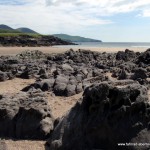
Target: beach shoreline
58	49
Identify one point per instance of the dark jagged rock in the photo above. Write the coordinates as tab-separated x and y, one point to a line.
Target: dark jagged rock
107	115
25	116
65	85
3	76
121	74
44	85
126	56
140	74
27	40
36	54
77	66
144	57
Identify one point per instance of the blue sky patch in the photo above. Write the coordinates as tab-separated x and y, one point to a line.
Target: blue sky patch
12	2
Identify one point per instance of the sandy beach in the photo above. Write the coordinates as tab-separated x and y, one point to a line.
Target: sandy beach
58	49
59	105
74	75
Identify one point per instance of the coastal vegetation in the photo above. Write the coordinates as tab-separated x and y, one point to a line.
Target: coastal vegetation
75	38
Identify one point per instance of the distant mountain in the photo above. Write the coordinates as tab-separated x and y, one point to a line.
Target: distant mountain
75	38
26	30
5	27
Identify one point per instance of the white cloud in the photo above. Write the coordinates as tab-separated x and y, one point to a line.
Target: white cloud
104	7
47	19
145	13
50	16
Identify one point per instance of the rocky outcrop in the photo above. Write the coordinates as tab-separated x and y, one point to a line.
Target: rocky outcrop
126	55
144	57
27	40
25	116
107	114
68	73
114	107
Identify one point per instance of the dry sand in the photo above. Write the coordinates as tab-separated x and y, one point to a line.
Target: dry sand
15	85
22	145
59	106
57	49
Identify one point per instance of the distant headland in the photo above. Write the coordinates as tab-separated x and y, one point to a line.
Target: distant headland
27	37
71	38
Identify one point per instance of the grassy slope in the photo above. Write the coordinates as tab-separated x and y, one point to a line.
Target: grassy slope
75	38
18	34
8	31
26	30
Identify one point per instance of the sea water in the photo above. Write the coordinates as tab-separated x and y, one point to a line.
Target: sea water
109	44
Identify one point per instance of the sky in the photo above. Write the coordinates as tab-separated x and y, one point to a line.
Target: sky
107	20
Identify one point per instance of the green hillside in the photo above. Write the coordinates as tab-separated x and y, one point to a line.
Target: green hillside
15	34
75	38
26	30
8	31
5	27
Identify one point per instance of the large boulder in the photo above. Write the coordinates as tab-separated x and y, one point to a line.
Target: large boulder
60	85
60	89
25	116
106	116
70	90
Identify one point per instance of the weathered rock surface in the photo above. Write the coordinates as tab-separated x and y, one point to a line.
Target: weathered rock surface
145	57
25	116
126	55
107	114
3	76
80	68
